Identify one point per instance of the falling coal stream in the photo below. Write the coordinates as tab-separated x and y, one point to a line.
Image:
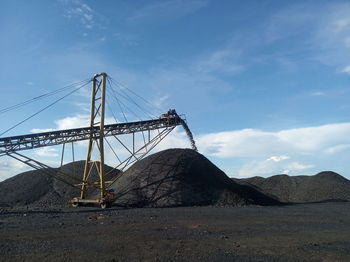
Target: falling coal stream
189	135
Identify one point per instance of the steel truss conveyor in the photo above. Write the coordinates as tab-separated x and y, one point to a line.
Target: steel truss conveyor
95	134
12	144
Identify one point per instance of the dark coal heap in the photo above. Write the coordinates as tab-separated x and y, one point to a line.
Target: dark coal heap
38	189
325	186
182	177
176	177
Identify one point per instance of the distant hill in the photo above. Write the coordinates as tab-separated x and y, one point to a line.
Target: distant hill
325	186
182	177
36	188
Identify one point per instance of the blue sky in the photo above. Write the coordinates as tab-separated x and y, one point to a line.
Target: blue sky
264	84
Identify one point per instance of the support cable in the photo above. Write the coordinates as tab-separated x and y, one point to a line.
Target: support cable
110	146
130	99
126	107
113	96
37	98
43	109
111	110
131	91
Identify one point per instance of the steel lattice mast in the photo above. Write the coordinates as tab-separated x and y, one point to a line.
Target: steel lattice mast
97	119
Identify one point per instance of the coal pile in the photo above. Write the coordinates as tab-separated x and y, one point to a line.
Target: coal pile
174	177
38	189
182	177
325	186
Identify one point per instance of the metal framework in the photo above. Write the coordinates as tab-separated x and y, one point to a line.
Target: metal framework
96	134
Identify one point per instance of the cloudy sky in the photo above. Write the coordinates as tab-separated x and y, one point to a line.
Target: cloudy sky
264	84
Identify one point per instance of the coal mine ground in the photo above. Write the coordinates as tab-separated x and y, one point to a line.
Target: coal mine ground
295	232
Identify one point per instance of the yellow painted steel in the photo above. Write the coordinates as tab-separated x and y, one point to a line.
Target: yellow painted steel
97	118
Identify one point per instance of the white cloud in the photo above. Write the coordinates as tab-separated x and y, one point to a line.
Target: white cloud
85	107
41	130
79	120
289	22
295	166
331	35
224	60
341	24
70	122
86	7
81	12
176	139
160	101
270	167
258	143
10	167
346	70
337	148
88	17
324	28
73	122
318	93
46	152
278	158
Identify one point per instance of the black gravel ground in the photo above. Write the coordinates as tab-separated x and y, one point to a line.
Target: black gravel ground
307	232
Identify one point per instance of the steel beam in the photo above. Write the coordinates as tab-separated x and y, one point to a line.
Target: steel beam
31	141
